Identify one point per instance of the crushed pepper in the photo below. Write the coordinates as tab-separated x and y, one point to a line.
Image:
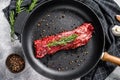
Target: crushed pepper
15	63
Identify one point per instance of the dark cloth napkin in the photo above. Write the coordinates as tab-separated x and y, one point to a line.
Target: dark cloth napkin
106	11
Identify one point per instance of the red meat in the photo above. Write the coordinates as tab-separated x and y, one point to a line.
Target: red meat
83	32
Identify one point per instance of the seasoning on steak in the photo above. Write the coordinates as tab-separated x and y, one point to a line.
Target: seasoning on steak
64	41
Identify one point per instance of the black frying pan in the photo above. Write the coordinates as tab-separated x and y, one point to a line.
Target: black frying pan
52	17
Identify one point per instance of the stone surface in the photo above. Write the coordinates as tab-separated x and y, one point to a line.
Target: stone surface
7	47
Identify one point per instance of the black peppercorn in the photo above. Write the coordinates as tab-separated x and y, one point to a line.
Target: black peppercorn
15	63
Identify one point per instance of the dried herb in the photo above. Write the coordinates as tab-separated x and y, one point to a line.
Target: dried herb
12	21
63	40
32	5
18	6
12	16
18	10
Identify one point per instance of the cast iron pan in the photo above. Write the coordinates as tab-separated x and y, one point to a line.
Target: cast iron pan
55	16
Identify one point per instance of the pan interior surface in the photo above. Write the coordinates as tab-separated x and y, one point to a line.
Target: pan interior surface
51	18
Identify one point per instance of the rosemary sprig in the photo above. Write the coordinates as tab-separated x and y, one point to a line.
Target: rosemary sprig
63	40
32	5
17	11
12	21
18	6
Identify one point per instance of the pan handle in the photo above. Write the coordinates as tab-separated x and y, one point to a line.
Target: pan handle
110	58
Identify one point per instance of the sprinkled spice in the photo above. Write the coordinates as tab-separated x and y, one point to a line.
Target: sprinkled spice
48	15
78	64
39	24
74	24
71	62
59	69
72	68
62	69
52	20
43	30
43	20
63	16
15	63
78	56
86	52
61	28
81	60
46	24
76	60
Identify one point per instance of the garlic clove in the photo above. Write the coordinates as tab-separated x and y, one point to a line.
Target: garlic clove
116	30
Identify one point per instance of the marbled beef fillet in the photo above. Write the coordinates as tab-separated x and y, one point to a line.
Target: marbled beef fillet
64	41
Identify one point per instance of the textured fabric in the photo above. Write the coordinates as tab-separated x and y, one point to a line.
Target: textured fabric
106	11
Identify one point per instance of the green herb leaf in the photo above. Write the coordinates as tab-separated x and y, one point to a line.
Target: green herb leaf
18	10
63	40
12	21
32	6
18	6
